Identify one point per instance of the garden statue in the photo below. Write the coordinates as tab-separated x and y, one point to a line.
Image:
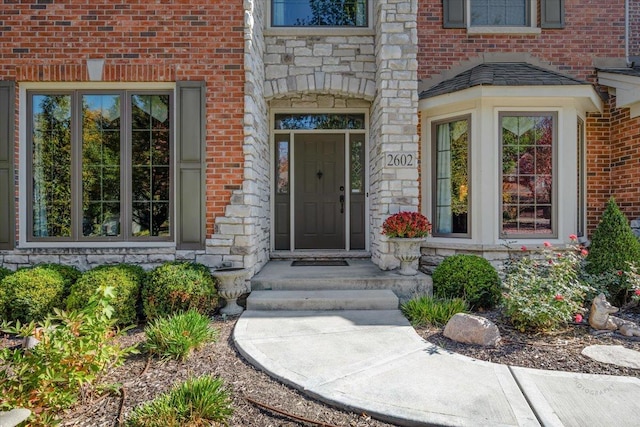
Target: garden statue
600	319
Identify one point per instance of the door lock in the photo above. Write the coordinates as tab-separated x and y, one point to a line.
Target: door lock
342	203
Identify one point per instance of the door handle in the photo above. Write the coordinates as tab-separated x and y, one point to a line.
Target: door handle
342	203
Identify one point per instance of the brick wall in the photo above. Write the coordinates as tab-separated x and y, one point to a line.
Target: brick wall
594	28
46	40
598	134
634	28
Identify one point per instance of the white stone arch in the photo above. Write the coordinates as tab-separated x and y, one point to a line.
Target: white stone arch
335	84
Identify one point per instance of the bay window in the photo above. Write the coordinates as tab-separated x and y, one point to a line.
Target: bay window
99	166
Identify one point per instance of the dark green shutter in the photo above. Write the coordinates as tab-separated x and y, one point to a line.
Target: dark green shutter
454	14
552	14
190	179
7	203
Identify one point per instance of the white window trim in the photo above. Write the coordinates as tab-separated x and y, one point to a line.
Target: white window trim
23	203
532	28
319	31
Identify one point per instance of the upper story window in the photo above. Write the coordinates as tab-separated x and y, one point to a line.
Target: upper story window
502	16
319	13
99	166
497	13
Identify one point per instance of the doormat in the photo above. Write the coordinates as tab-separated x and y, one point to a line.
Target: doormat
320	263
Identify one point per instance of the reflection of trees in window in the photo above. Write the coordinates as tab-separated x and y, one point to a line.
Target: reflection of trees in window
499	12
337	13
51	166
527	176
319	121
451	177
150	165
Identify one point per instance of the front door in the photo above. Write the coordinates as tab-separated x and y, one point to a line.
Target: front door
319	187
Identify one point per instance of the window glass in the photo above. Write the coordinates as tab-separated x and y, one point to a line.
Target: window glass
495	13
122	173
451	178
527	174
357	163
319	121
282	167
319	13
51	166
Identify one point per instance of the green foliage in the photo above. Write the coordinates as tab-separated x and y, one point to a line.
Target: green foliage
177	287
613	244
175	337
75	348
469	277
4	272
609	283
69	273
542	294
196	402
426	310
126	281
31	293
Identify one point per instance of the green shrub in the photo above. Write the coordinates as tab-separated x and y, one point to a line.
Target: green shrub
542	294
469	277
125	279
177	287
75	348
69	273
31	293
196	402
613	247
4	272
427	310
175	337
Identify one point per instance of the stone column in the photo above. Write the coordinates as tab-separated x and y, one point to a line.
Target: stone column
394	121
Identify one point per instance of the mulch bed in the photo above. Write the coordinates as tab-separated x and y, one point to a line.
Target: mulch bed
141	379
559	350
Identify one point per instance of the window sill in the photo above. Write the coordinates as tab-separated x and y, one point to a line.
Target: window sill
504	30
95	245
314	31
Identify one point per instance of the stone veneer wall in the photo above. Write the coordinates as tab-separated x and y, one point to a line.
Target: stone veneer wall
242	235
394	119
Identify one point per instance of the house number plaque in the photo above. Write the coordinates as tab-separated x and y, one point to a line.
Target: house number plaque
399	159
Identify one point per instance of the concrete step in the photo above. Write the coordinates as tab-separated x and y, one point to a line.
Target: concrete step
382	299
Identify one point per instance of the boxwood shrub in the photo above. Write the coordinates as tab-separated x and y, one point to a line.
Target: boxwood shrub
126	281
69	273
469	277
176	287
31	293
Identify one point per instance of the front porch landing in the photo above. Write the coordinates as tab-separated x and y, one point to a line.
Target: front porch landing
360	274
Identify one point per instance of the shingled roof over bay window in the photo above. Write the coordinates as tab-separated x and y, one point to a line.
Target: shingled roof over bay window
501	74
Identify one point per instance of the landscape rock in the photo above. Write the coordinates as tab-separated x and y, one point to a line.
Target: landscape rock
613	354
470	329
14	417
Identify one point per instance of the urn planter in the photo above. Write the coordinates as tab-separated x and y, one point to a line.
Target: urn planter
231	285
407	250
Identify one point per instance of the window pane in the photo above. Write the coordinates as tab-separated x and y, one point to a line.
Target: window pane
495	13
319	121
451	178
527	175
150	169
100	165
51	165
357	163
314	13
282	168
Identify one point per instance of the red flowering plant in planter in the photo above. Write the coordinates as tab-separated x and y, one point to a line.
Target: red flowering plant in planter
406	225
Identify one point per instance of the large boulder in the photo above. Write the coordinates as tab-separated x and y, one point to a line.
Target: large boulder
470	329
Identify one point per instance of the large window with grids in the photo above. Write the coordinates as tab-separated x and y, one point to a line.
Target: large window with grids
528	144
100	165
319	13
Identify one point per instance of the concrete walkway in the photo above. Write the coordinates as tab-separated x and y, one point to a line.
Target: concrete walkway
374	362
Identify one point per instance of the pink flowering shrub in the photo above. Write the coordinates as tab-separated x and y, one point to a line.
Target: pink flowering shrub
406	224
633	280
542	294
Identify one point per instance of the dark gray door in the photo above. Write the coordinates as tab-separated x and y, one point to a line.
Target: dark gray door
319	191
